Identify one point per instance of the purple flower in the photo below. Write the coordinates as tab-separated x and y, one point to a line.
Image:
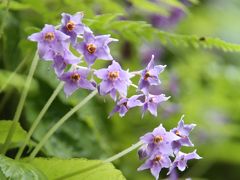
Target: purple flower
76	79
159	140
49	39
72	25
61	59
160	21
155	163
149	76
125	104
114	79
181	160
182	131
152	102
95	47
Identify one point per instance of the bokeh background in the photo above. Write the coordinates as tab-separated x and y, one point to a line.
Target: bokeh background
203	83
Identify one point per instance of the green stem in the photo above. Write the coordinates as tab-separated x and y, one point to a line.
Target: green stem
5	99
20	104
38	119
113	158
13	74
123	153
60	122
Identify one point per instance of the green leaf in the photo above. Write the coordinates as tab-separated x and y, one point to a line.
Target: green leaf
175	3
75	169
18	136
15	170
149	6
137	30
14	5
14	80
197	41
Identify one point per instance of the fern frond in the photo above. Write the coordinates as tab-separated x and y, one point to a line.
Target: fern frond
136	30
197	41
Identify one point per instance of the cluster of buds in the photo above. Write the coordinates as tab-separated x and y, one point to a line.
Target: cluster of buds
55	44
160	145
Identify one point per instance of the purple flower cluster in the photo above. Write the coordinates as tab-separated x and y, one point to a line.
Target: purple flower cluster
56	43
160	146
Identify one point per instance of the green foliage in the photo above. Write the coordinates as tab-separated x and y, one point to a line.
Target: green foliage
75	169
207	82
18	136
149	6
197	41
14	170
136	31
14	80
81	132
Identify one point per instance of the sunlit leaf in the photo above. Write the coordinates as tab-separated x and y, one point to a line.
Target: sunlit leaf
75	169
15	170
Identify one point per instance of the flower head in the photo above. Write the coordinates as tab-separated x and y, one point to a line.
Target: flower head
75	80
114	79
159	140
61	59
149	76
155	163
182	131
49	39
181	160
124	104
157	149
95	47
72	25
152	102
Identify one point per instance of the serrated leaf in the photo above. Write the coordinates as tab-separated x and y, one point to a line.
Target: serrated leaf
133	30
15	170
75	169
18	136
197	42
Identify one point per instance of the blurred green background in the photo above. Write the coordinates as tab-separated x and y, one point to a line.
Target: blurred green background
203	84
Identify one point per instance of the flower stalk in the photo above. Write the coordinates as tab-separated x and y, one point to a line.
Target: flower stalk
60	123
20	104
38	119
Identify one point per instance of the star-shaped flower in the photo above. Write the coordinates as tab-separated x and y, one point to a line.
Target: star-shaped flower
159	139
61	59
114	79
155	163
49	39
75	80
124	104
150	75
95	47
181	160
182	131
152	102
72	25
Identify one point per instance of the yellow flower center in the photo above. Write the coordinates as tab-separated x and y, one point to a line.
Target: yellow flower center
113	75
49	36
158	139
147	75
75	77
178	134
157	158
91	48
70	25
